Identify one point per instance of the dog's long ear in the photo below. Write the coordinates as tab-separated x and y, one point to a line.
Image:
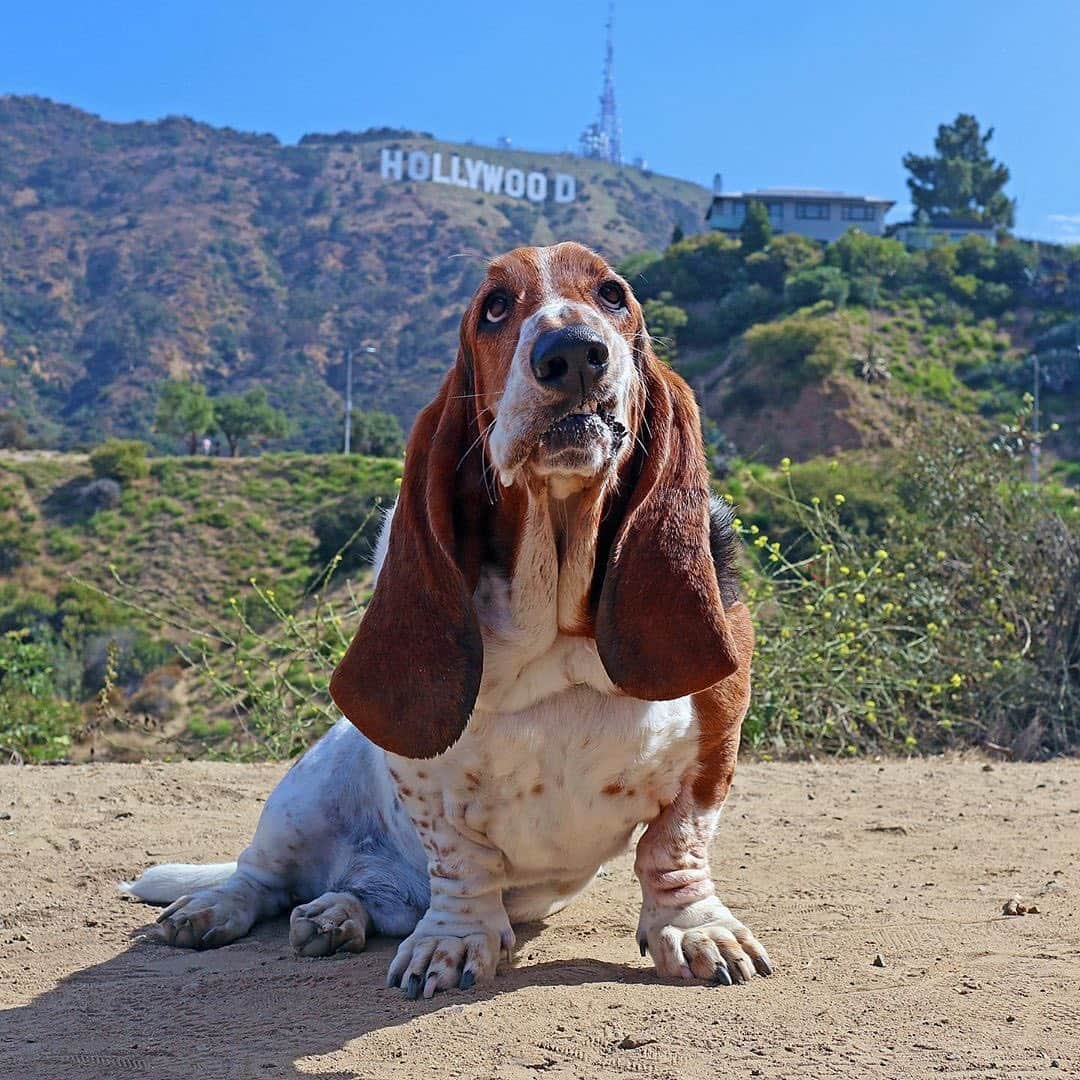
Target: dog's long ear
410	677
660	627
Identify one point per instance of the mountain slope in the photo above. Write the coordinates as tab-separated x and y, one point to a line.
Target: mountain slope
130	253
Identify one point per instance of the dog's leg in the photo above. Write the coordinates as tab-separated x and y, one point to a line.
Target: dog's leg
383	889
329	827
683	924
216	916
465	930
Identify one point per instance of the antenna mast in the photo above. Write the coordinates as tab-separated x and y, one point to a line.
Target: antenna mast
609	117
603	140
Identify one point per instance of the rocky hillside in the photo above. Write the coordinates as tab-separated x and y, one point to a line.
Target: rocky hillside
131	253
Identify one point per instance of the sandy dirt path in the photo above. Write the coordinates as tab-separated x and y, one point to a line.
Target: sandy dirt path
829	864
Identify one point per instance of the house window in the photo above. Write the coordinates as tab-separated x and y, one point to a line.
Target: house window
858	212
775	211
812	211
738	210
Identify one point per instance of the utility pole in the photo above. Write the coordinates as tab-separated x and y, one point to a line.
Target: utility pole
348	399
1036	449
371	351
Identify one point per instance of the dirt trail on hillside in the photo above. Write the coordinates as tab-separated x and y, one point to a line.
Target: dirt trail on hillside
829	864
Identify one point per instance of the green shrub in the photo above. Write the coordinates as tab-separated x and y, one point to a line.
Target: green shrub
664	320
35	724
18	543
808	287
799	347
959	623
346	532
122	460
377	434
701	267
786	254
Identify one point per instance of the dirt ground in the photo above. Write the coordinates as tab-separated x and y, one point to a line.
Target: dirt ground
829	864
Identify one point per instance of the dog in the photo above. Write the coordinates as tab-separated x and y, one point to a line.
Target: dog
554	655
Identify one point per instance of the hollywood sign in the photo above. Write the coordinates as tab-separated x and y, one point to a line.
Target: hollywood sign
476	175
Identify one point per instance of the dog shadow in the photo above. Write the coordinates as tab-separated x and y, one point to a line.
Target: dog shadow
252	1008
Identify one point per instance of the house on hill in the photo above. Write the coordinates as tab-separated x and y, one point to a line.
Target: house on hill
925	234
820	215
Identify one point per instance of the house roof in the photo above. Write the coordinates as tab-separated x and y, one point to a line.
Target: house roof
804	194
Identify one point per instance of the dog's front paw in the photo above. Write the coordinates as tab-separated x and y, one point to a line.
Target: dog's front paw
439	958
701	941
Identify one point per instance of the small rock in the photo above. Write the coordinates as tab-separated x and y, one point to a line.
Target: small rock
878	961
1018	906
633	1042
5	816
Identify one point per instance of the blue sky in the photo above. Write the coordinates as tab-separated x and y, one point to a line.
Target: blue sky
821	95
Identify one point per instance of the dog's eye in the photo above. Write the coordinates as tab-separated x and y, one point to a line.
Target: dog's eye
613	294
497	308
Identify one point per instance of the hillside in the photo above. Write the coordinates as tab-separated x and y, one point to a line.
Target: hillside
131	253
796	351
82	565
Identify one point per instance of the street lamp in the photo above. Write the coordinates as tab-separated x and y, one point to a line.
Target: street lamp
1035	448
348	392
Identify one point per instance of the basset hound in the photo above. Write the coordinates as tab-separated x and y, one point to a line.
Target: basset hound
554	655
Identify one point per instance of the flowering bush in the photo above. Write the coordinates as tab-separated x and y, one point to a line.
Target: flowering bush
945	613
958	622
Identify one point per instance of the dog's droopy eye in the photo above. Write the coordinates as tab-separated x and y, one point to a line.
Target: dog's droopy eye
497	308
613	295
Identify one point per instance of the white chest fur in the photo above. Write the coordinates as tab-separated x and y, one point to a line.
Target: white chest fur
551	792
555	768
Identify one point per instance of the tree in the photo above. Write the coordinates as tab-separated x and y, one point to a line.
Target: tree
961	180
185	411
248	416
677	234
377	434
664	320
13	432
755	231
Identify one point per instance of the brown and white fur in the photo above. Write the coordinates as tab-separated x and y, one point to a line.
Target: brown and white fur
553	657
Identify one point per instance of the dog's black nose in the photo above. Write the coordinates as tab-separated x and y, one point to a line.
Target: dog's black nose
569	359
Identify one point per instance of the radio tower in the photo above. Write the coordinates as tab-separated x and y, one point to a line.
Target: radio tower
603	140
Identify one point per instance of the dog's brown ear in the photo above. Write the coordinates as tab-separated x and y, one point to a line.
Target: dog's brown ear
410	677
660	627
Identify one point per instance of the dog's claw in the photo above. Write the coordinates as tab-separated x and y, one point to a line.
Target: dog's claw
721	975
643	945
412	987
762	964
467	980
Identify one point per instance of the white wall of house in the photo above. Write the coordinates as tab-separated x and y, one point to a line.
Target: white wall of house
917	236
821	219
